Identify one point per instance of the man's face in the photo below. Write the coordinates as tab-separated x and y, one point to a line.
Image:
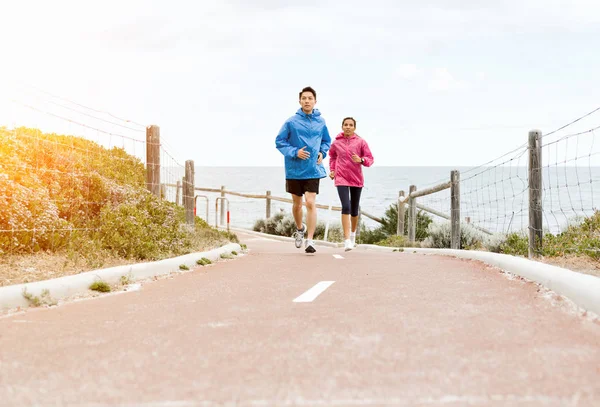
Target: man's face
307	102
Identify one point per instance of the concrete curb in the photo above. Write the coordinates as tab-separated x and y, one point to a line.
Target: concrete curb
280	238
12	296
582	289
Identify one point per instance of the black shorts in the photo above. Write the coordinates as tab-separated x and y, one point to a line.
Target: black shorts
300	186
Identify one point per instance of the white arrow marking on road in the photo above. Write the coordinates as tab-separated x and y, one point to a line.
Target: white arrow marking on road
337	256
314	292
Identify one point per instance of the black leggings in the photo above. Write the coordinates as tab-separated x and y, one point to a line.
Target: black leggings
350	197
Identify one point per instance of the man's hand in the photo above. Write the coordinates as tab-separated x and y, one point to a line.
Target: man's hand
332	174
356	158
320	159
302	154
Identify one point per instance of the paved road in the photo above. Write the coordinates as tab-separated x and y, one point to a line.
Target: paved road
281	328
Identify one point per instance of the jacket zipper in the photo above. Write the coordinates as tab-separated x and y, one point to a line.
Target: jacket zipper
310	129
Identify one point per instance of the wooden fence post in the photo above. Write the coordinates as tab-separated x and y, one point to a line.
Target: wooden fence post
163	191
153	160
189	192
412	215
401	206
178	194
455	209
268	204
535	193
222	205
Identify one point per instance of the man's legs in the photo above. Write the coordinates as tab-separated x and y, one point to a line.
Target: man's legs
311	213
309	188
297	210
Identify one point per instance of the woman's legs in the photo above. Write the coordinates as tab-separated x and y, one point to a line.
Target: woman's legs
344	193
346	225
354	207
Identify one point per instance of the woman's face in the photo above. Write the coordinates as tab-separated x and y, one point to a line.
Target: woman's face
348	127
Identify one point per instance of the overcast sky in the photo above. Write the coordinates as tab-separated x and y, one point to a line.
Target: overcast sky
430	82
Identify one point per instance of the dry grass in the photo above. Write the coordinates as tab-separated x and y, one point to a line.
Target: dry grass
28	268
581	264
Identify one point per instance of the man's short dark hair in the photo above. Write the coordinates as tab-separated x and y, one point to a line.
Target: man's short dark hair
307	89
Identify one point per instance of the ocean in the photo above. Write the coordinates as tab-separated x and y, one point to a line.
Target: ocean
494	198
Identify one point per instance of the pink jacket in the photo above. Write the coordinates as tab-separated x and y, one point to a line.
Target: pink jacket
347	172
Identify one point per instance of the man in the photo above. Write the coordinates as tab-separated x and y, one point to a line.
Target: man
304	142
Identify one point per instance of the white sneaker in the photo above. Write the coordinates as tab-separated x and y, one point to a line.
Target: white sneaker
310	246
299	236
353	239
348	245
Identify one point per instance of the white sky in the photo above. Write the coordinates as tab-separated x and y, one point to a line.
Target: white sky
430	82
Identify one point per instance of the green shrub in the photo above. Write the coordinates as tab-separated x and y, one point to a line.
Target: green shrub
371	236
53	182
87	200
144	227
100	286
515	244
389	227
581	237
284	225
44	299
397	241
389	224
440	236
203	261
334	234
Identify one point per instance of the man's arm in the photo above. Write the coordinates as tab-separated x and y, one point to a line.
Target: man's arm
282	142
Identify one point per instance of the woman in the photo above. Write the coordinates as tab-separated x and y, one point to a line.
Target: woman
347	155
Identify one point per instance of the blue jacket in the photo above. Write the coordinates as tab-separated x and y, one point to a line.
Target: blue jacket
302	130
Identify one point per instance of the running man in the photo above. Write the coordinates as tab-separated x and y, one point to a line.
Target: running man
304	142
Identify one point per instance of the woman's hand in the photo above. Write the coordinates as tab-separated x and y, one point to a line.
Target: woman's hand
356	158
332	174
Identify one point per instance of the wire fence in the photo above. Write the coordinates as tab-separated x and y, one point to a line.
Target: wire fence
570	175
56	157
557	218
85	149
495	196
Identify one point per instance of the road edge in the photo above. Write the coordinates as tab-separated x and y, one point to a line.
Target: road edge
63	287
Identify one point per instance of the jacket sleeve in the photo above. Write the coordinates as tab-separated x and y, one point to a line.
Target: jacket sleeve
325	142
332	157
366	154
282	142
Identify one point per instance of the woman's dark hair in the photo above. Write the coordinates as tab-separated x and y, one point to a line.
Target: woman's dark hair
349	118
